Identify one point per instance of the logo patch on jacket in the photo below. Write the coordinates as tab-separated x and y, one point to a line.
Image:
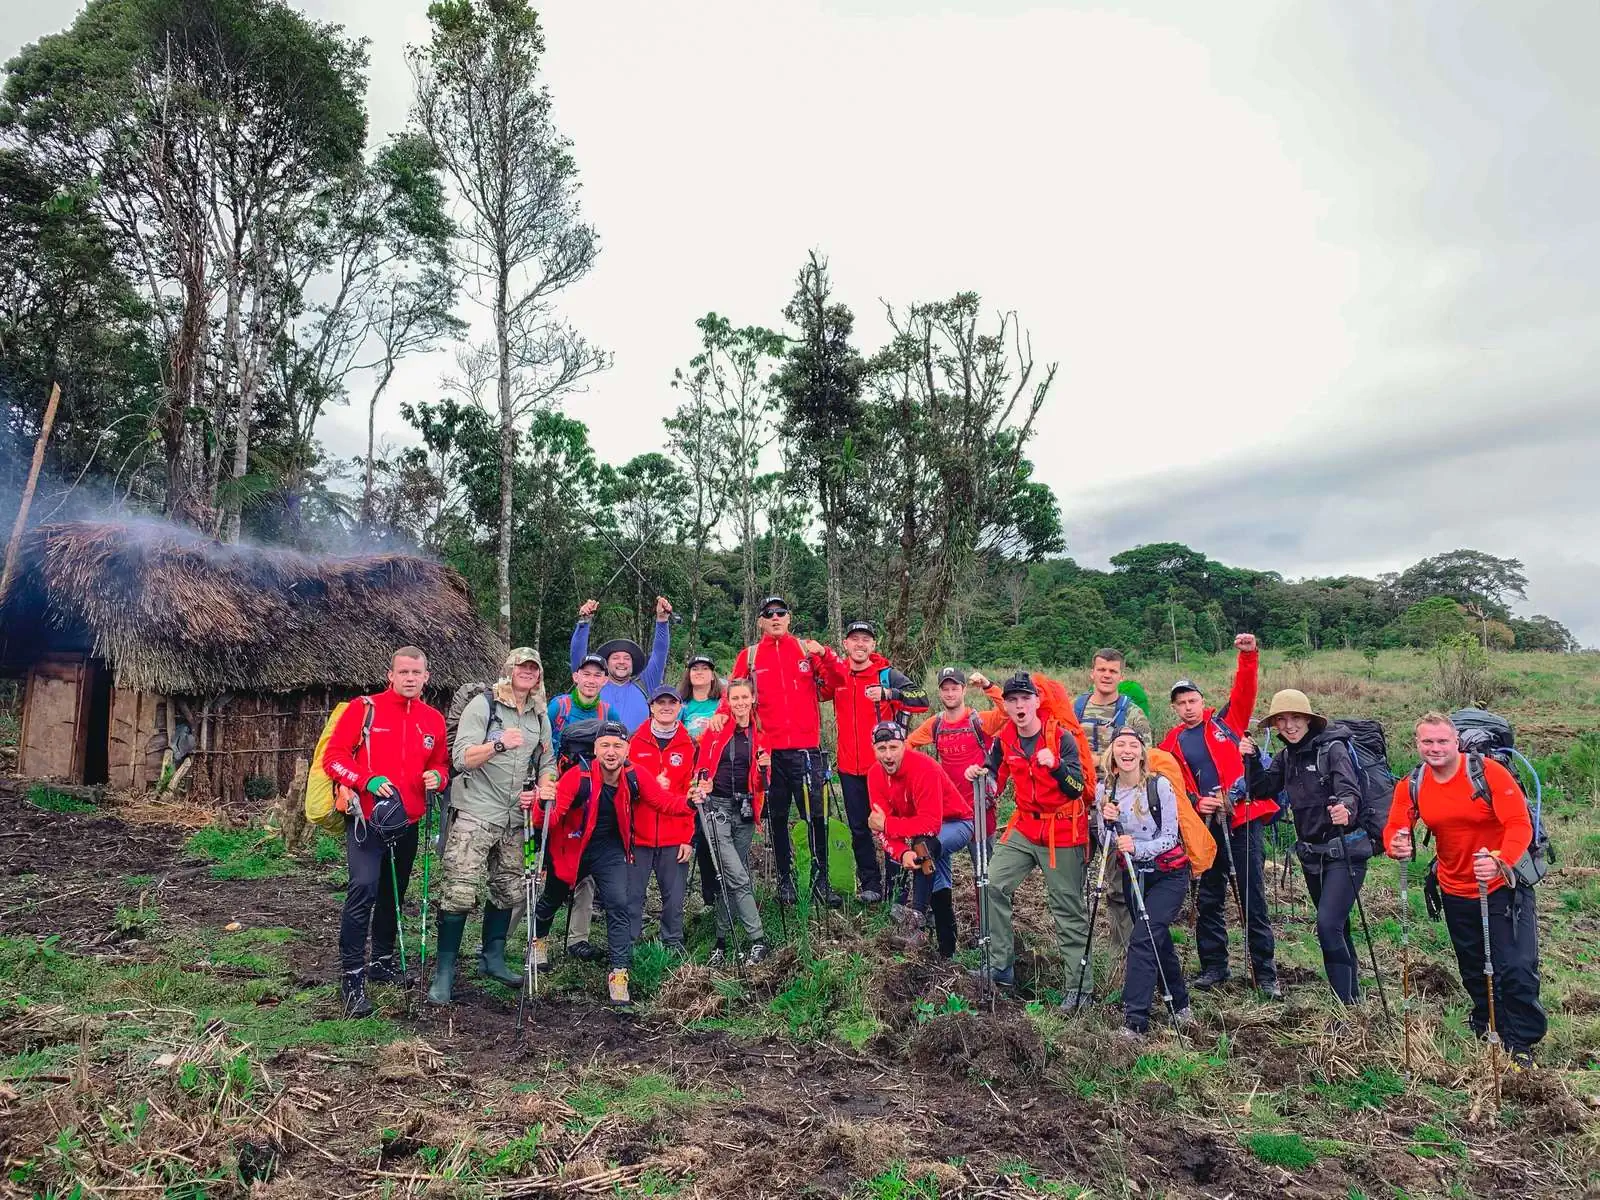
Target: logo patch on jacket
427	741
675	758
805	666
1219	736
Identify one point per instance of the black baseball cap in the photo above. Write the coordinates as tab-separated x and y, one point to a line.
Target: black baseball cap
611	729
663	691
1184	685
888	731
592	660
1018	684
952	675
865	627
771	602
703	660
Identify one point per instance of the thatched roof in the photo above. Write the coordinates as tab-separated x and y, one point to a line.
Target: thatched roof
182	615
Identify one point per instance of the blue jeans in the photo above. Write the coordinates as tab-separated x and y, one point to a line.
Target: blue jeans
953	835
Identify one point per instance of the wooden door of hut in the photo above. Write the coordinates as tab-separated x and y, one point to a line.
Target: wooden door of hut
56	717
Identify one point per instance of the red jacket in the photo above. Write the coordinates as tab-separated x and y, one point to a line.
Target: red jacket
786	679
663	818
856	715
917	799
1225	756
1045	815
407	737
571	825
714	742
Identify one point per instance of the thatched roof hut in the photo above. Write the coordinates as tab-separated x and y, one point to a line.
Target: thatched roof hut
163	613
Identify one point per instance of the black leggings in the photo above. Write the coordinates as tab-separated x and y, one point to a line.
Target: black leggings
369	899
1333	892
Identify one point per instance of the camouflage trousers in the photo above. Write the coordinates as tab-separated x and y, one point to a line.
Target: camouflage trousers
473	849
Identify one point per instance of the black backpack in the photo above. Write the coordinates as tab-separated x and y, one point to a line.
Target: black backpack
577	743
1364	741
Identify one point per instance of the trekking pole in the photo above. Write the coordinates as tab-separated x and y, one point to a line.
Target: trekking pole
1405	959
427	837
980	872
1488	979
1238	896
1114	828
400	925
1372	953
1094	911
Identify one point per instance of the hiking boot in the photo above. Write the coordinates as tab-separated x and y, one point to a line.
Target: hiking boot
901	912
384	970
824	893
1211	977
1128	1033
1521	1058
999	976
718	957
353	989
786	892
869	896
451	927
1271	989
617	988
757	953
1183	1018
1074	1000
583	952
492	958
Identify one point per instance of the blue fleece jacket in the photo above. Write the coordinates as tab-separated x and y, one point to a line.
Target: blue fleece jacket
629	702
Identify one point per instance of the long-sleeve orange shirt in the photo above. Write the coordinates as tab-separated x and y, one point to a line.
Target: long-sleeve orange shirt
1462	824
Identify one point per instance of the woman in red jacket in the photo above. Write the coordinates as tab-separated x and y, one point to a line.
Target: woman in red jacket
663	823
728	791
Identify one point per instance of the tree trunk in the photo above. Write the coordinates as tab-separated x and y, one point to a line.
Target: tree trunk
830	545
508	457
748	520
372	441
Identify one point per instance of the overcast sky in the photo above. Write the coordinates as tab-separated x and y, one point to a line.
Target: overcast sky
1323	278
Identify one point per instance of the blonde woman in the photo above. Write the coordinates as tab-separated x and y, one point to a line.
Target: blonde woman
1140	813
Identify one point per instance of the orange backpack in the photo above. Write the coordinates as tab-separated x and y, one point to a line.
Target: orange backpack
1055	704
1198	843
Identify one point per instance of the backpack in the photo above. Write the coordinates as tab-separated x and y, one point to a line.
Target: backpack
1537	859
1198	842
977	730
1369	755
327	801
1055	704
465	695
577	743
1119	718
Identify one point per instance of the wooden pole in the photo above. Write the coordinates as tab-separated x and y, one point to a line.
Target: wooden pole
27	495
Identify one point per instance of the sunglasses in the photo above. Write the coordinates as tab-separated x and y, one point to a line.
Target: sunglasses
775	612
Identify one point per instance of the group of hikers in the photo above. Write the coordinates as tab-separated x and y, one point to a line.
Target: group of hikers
586	797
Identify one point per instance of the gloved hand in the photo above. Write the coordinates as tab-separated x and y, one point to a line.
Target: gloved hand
379	785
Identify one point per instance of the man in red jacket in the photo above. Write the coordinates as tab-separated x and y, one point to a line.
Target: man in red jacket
866	691
592	835
391	750
1049	829
663	822
786	673
1206	744
919	814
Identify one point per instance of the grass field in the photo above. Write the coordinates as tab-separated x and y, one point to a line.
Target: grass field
170	1028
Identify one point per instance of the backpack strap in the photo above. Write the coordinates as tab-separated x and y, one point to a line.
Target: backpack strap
1118	718
1480	780
1216	720
494	709
1152	795
563	708
1080	705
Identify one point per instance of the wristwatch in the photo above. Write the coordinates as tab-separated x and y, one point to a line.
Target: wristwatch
499	746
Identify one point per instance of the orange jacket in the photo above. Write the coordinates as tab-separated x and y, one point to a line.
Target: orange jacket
1462	824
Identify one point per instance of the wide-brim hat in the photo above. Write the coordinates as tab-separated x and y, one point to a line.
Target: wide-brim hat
617	645
1293	700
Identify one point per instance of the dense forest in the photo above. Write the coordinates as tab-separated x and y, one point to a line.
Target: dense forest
203	246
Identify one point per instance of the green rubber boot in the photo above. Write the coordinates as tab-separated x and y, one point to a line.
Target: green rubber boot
492	960
451	927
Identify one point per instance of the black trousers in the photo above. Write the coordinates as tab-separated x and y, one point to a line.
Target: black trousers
369	900
608	863
1164	894
792	771
1215	898
1514	939
706	868
869	859
1333	893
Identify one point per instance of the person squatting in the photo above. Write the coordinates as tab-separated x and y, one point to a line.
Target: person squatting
627	778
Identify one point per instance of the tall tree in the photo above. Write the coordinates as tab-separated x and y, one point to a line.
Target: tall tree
820	382
208	130
1480	582
734	367
695	441
954	406
480	102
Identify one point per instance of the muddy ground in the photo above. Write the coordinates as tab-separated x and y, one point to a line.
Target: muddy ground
967	1103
